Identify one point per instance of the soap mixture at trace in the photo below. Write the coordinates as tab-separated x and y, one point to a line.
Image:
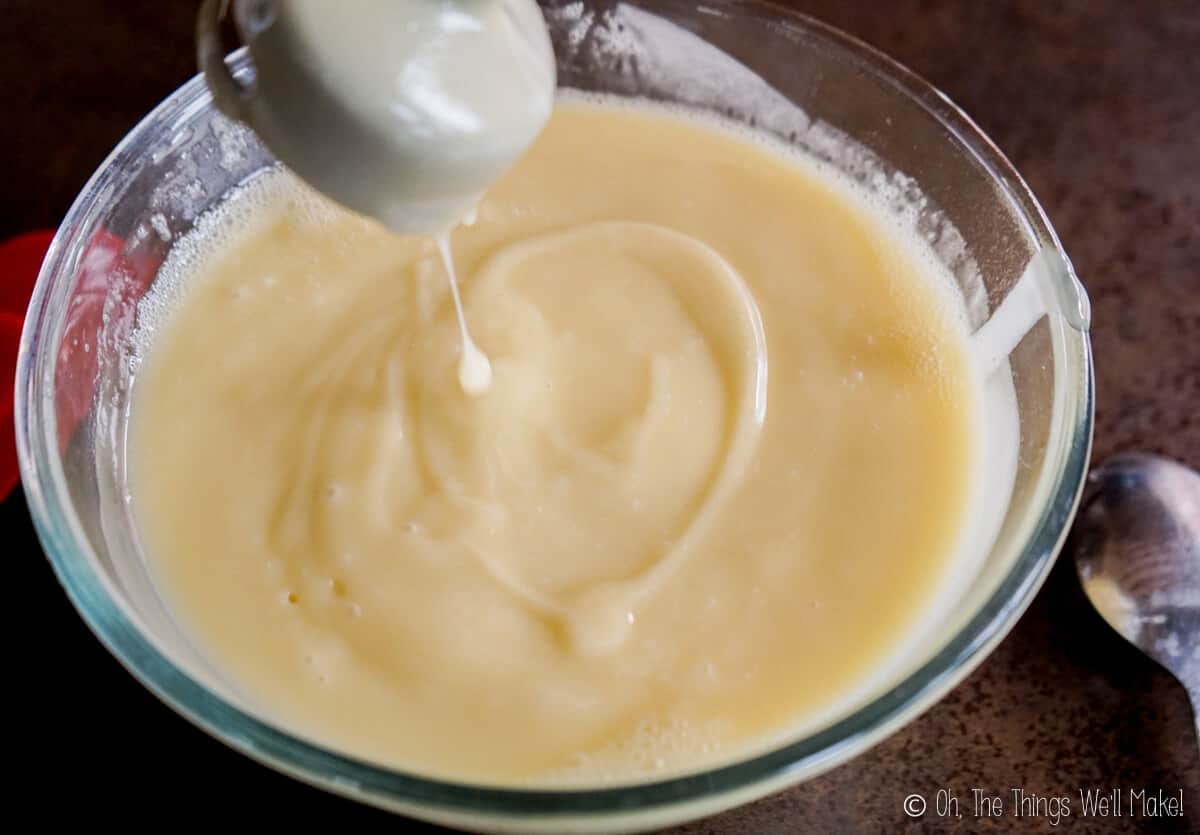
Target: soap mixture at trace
721	472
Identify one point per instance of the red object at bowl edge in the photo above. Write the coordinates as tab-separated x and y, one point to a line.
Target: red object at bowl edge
20	260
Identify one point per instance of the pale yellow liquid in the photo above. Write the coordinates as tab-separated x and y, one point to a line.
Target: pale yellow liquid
651	545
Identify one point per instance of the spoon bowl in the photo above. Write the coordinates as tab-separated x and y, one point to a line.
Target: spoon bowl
1138	558
404	110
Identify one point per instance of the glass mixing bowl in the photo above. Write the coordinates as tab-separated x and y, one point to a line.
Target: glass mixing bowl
744	59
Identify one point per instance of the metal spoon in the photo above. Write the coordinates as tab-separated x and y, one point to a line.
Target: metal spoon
1138	558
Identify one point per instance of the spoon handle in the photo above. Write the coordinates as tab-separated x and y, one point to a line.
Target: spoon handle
1187	667
1194	695
229	95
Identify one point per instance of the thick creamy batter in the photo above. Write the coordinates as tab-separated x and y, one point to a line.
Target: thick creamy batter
722	468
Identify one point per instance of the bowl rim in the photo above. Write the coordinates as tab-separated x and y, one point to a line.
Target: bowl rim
62	537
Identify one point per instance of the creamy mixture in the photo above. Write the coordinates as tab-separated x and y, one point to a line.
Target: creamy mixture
723	467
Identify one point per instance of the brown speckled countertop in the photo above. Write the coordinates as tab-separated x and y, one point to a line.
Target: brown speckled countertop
1097	102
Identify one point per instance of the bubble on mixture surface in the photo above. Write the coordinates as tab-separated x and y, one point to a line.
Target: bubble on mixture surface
242	212
158	222
233	142
653	747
